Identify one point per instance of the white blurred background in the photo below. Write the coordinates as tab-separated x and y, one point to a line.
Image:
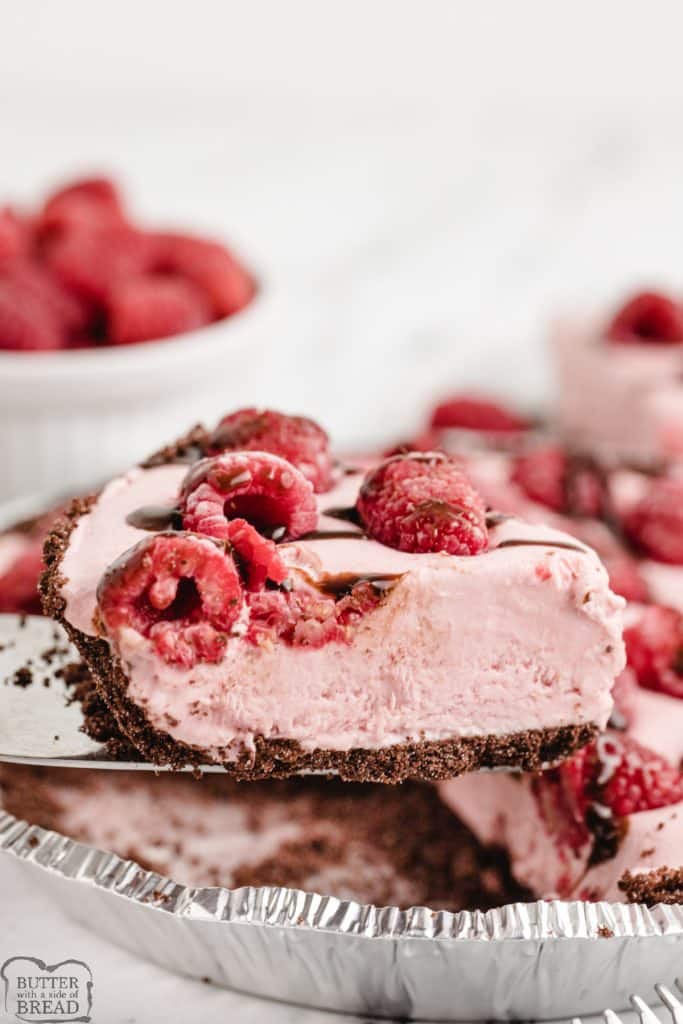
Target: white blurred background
421	182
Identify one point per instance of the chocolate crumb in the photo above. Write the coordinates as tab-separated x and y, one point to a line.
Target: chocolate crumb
664	885
604	932
22	678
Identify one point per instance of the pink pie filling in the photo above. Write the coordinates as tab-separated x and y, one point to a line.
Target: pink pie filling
525	636
501	809
618	400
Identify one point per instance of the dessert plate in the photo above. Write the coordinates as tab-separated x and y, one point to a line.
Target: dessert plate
39	724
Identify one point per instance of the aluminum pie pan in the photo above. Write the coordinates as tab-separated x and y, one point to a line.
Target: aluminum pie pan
523	961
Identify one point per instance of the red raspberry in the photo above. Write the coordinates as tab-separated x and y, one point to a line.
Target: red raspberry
549	476
210	267
464	412
257	556
181	591
655	523
26	326
41	288
306	618
423	502
649	317
654	649
295	438
541	474
302	618
264	489
91	263
19	583
15	235
618	773
146	308
91	204
626	579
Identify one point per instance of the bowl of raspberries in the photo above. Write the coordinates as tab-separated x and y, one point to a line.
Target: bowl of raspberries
107	328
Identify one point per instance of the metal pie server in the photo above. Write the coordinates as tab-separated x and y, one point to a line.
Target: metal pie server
40	723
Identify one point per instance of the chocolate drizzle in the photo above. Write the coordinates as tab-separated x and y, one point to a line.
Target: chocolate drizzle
340	584
514	542
496	518
333	535
348	514
155	518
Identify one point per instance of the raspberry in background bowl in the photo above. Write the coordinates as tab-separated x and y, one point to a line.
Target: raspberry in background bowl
109	333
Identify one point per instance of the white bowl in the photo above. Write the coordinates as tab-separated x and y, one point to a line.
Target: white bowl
69	419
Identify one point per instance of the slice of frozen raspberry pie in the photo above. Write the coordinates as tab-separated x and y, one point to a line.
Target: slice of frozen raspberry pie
243	599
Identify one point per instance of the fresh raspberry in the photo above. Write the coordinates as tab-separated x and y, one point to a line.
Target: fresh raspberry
210	267
91	263
39	286
295	438
302	618
655	523
464	412
654	649
91	204
618	773
146	308
26	326
264	489
257	556
542	474
181	591
625	578
306	618
19	583
648	317
15	235
423	502
549	476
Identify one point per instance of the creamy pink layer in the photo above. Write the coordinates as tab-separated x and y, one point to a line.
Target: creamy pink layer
624	401
203	837
664	581
187	839
524	636
501	810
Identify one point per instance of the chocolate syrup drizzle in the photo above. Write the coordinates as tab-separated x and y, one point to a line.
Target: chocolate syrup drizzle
348	514
333	535
155	518
525	542
163	517
340	584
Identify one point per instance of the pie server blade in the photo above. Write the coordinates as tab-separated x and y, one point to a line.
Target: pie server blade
39	723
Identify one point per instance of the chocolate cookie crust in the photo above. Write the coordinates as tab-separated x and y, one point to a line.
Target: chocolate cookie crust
352	841
663	885
529	750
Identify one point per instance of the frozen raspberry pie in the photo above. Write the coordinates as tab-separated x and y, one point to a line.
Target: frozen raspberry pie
621	380
606	824
242	599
